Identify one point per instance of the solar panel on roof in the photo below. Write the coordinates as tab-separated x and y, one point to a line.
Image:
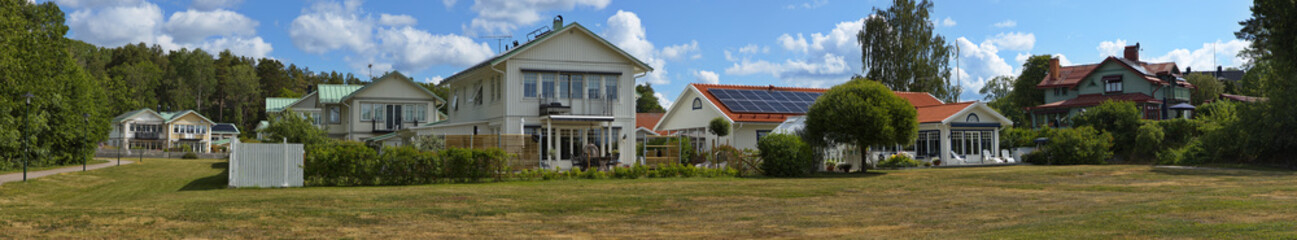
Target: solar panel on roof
765	101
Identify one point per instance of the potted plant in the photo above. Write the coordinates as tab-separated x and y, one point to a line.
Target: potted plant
936	162
828	166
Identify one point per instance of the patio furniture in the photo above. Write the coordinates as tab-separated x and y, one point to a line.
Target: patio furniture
1004	153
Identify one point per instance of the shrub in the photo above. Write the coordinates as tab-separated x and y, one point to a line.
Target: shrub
785	155
1082	145
189	155
1017	137
1148	140
1178	132
1036	157
352	163
899	161
1118	118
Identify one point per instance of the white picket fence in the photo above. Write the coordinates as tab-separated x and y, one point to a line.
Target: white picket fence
266	164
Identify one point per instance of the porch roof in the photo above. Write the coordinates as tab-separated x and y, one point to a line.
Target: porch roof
1096	99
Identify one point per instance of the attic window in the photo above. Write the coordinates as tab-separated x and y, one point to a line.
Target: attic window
972	117
698	104
1112	84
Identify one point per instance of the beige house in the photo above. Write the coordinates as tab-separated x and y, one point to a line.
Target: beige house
357	112
567	87
156	131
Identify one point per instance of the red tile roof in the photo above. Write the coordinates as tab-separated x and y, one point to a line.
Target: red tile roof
918	99
648	120
1096	99
938	113
1069	76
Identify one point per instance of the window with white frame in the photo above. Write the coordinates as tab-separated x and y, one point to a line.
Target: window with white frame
592	88
529	84
335	114
1112	84
366	112
578	86
611	86
564	85
547	85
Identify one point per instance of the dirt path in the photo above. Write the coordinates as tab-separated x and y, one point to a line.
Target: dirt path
18	176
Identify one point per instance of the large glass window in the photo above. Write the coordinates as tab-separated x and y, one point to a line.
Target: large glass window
335	114
578	86
547	85
366	111
595	82
986	142
611	87
957	142
421	112
529	84
380	112
1112	84
564	82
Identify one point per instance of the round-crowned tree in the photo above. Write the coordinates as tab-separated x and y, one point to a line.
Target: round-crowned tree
861	112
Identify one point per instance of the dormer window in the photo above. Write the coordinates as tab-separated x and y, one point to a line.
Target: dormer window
1112	84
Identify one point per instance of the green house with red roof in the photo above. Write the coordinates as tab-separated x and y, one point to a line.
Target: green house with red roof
1157	89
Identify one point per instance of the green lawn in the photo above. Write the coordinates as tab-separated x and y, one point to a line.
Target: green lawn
20	169
164	198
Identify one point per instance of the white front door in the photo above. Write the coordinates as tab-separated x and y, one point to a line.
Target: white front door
974	142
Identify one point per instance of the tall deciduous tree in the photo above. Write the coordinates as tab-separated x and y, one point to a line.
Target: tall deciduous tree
861	112
34	58
899	49
997	88
648	101
1024	92
1208	88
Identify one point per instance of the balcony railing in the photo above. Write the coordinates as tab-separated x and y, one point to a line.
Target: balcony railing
148	135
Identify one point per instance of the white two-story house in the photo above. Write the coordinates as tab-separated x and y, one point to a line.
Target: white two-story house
567	87
357	112
150	130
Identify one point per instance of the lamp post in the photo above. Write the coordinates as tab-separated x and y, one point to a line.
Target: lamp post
26	124
85	161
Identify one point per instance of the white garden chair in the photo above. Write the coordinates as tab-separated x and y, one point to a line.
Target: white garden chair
1004	153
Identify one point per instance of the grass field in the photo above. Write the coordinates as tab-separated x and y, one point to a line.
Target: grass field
91	162
164	198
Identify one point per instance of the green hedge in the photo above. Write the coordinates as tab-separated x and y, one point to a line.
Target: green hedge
785	155
632	172
345	163
899	161
1081	145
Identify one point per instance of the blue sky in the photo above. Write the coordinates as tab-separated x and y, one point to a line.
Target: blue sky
791	43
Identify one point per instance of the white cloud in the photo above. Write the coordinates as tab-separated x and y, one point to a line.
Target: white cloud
1111	48
1006	24
753	49
397	20
329	25
193	26
434	80
414	50
116	25
821	59
1062	60
809	5
253	47
677	52
502	16
797	44
1203	58
979	63
1014	41
708	77
625	30
948	22
389	42
662	100
448	3
208	5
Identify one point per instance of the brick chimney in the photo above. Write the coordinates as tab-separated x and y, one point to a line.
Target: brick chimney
1132	53
1053	68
